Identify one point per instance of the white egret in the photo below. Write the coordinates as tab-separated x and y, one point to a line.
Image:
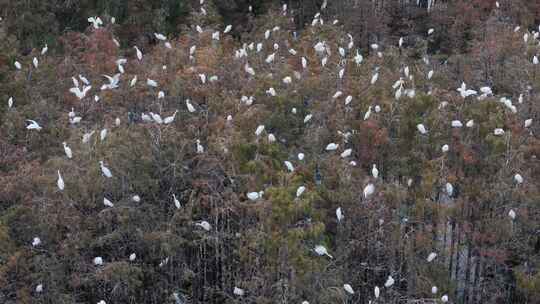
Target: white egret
259	130
512	214
430	31
518	178
136	198
456	124
445	148
103	134
498	131
169	119
60	182
67	150
139	53
35	62
377	292
528	123
151	83
470	124
449	189
33	125
431	257
289	166
375	171
189	106
160	36
253	196
339	214
104	170
421	128
228	28
346	153
389	282
301	156
369	189
107	202
17	65
348	288
36	242
39	288
98	261
321	250
87	136
238	291
300	190
434	290
204	225
332	147
444	298
132	257
176	202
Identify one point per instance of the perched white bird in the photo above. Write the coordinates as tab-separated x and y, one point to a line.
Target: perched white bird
431	257
332	147
253	196
176	202
374	78
346	153
321	250
228	28
512	214
377	292
430	75
456	124
270	58
190	106
36	242
169	119
389	282
259	130
337	94
113	82
202	77
528	123
400	42
96	21
17	65
104	170
444	298
238	291
136	198
103	134
535	60
518	178
160	36
98	261
449	189
151	83
33	125
434	290
470	124
204	225
498	131
421	128
339	214
132	257
300	190
301	156
107	202
67	150
430	31
35	62
369	190
465	92
87	136
138	52
39	288
60	182
289	166
375	171
271	92
348	288
348	99
308	118
101	302
445	148
287	80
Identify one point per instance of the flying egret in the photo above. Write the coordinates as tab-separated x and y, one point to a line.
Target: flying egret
60	182
321	250
348	288
104	170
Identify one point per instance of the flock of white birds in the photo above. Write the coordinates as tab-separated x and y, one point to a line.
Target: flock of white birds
82	87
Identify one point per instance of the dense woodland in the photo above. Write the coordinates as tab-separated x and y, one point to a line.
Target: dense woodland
349	151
